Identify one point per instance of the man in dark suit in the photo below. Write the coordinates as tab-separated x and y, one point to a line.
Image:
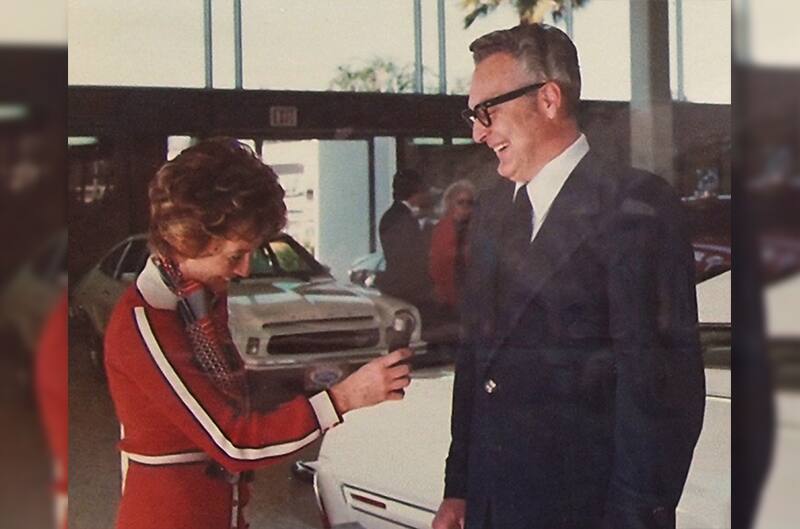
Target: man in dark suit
579	388
405	246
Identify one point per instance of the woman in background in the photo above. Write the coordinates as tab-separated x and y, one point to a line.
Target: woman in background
448	244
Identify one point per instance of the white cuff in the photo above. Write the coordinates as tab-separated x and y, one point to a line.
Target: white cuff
326	413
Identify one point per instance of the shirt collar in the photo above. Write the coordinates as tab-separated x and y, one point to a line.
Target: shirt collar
544	187
414	209
153	289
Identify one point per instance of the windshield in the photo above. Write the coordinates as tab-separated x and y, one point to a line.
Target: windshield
283	256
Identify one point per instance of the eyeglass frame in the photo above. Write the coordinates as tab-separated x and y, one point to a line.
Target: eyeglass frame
471	115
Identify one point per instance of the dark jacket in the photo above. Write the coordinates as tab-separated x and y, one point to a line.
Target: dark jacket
405	249
599	386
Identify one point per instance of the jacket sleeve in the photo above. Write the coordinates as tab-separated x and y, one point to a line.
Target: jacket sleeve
160	362
660	387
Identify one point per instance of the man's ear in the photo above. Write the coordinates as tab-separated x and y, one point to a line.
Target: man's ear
550	99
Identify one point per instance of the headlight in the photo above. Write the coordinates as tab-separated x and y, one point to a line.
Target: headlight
252	346
404	321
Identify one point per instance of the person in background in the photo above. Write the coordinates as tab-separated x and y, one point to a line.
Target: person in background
189	434
405	247
449	253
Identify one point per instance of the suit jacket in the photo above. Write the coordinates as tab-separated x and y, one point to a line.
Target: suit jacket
406	251
596	365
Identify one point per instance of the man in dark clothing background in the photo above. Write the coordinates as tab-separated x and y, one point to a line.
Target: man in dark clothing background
404	243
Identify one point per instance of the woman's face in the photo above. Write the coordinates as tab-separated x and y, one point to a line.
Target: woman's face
462	206
221	261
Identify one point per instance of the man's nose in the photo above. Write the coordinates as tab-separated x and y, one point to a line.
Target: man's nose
479	132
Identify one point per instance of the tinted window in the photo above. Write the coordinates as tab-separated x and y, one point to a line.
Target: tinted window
288	259
261	263
109	264
134	259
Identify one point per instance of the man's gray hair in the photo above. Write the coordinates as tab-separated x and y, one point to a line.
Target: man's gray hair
546	51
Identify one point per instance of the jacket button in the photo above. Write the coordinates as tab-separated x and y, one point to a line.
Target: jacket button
489	386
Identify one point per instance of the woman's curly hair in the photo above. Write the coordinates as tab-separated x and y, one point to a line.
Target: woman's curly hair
218	188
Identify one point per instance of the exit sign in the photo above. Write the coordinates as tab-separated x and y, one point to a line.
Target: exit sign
282	116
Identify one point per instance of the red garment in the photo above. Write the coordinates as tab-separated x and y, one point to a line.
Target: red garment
52	395
166	406
442	267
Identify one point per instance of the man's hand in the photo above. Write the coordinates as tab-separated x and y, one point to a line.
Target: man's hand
450	514
381	379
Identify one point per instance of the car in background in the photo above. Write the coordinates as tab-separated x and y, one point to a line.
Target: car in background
365	270
384	466
290	316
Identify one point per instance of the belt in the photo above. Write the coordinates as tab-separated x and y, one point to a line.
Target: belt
167	459
213	469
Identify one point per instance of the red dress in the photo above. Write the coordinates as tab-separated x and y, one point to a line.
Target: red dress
448	251
178	428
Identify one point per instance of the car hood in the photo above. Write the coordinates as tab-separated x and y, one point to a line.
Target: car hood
296	301
410	441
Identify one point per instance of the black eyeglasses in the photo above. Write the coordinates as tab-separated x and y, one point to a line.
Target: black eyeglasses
481	110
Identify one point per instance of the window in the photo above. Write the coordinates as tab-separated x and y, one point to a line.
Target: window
109	264
702	30
135	258
261	264
143	43
342	45
602	35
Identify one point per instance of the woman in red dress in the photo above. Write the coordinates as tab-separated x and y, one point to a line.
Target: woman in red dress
448	243
189	435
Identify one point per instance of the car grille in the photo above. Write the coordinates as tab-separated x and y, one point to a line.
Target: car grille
322	342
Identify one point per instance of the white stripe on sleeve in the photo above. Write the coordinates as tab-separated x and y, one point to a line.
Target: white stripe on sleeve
196	409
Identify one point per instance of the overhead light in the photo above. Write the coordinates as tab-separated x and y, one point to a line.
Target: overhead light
82	141
13	111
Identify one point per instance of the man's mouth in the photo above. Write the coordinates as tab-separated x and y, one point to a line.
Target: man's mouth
499	148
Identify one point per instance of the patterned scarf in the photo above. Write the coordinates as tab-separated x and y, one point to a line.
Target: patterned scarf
213	348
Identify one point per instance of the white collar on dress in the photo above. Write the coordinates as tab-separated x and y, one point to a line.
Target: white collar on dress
153	289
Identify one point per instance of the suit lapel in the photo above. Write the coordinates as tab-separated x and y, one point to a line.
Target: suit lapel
567	225
484	252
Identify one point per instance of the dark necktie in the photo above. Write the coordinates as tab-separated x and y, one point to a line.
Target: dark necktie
520	224
515	240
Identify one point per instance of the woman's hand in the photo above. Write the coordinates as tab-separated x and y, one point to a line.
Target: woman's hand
381	379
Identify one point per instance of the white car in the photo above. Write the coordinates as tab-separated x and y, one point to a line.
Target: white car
383	468
290	316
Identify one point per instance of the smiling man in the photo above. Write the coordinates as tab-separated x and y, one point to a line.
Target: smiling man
579	389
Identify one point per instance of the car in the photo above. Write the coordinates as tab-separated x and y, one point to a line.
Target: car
384	466
365	270
289	317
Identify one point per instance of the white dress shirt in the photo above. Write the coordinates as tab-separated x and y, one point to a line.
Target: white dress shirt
546	184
